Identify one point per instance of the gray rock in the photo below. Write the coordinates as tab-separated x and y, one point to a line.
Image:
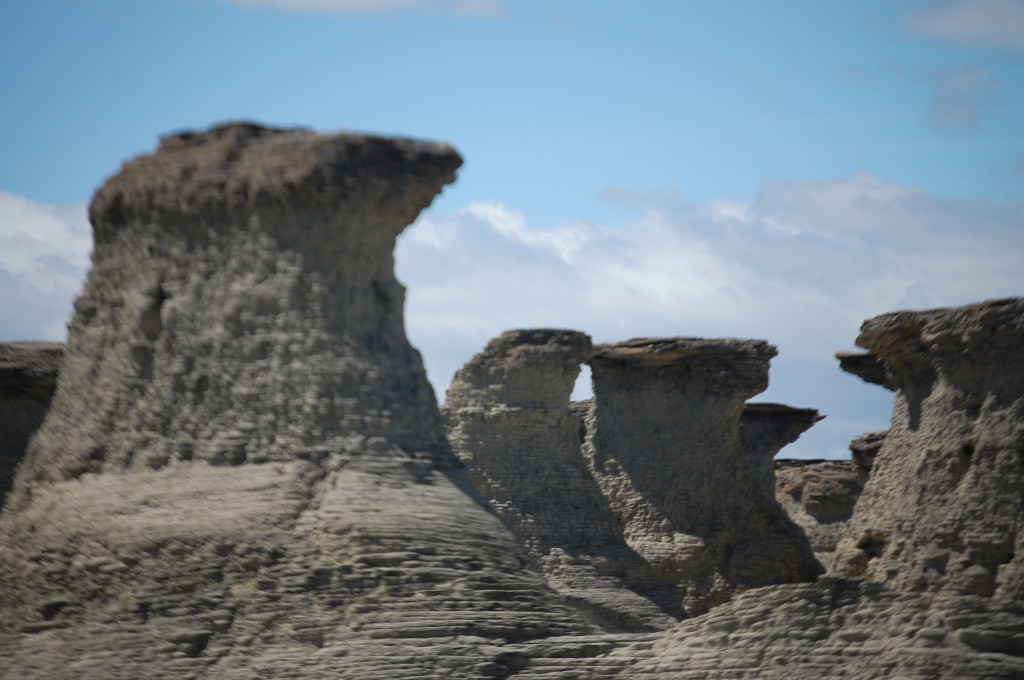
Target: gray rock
943	506
819	495
509	420
244	471
28	377
663	442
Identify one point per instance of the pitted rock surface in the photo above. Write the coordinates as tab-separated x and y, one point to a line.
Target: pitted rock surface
244	472
943	508
28	377
663	442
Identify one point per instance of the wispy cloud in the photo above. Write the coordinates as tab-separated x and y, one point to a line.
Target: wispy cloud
379	7
982	24
961	95
44	252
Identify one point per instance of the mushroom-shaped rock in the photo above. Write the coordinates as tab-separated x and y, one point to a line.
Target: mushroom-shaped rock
943	507
28	377
509	420
244	469
663	442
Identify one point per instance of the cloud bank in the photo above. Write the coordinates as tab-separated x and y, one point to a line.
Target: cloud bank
44	253
801	265
377	7
981	24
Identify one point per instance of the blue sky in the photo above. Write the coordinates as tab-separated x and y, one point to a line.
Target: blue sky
778	169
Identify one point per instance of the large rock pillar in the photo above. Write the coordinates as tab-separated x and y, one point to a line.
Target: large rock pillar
943	509
664	444
244	470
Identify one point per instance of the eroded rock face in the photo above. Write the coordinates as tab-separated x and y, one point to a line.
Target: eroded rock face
244	469
942	509
765	429
663	442
819	495
28	377
509	420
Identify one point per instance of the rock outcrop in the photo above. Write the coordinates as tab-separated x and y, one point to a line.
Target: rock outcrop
765	429
244	471
509	420
819	495
663	442
944	507
28	377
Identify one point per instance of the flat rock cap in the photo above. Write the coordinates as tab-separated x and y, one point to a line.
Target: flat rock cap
985	326
663	351
538	340
241	165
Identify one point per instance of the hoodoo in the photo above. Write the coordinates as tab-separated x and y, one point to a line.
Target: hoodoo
509	421
244	466
663	442
244	474
944	506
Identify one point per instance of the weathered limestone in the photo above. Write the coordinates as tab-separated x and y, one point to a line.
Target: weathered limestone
663	442
244	470
509	421
28	376
943	509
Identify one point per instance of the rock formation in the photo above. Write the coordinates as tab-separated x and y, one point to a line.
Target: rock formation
663	442
244	470
509	421
764	430
819	495
28	376
944	506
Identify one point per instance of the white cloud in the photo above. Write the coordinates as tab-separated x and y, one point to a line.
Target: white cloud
378	7
961	95
984	24
802	265
44	252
